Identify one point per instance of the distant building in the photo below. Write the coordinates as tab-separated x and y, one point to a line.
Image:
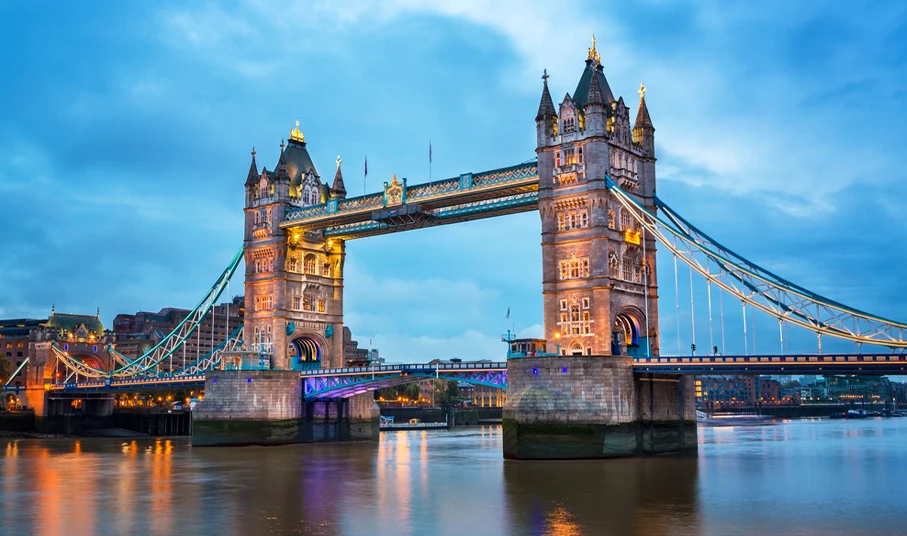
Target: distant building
136	333
737	390
355	356
81	336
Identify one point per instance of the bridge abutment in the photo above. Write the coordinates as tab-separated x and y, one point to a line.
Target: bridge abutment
574	407
265	407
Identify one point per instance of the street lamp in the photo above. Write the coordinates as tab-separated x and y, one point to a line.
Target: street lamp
557	342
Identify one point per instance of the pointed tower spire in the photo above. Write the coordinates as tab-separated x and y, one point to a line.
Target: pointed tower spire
643	130
546	106
338	191
252	178
594	97
642	116
281	169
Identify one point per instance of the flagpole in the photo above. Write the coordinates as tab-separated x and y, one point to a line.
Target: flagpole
429	163
364	175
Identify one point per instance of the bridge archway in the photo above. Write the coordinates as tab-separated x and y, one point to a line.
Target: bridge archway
304	353
625	334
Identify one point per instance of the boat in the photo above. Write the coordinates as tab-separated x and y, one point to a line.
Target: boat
856	414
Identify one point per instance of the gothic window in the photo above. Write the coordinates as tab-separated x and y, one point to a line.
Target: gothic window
261	216
326	269
569	156
309	264
587	329
557	158
574	268
308	303
579	155
262	303
569	124
574	219
268	334
627	274
563	318
321	307
563	305
297	303
293	263
256	334
636	274
574	313
585	303
256	266
610	219
626	221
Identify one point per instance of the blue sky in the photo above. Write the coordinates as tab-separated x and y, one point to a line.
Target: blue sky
127	127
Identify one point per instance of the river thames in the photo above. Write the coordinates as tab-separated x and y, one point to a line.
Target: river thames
816	477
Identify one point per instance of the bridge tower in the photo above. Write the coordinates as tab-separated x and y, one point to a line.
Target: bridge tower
294	280
599	284
599	292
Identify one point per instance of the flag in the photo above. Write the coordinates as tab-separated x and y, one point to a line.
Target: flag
508	312
365	174
429	151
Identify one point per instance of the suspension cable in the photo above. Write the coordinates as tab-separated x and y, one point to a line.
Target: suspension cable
692	316
746	345
677	298
721	305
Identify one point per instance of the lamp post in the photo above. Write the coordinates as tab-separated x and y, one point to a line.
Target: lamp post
557	342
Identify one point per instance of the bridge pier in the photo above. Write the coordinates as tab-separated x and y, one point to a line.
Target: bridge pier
572	407
265	407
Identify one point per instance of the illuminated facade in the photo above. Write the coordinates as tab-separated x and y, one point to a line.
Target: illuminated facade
294	279
599	281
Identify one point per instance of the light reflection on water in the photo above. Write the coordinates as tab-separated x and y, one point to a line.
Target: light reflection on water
799	477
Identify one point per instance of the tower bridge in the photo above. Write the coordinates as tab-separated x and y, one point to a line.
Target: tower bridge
599	384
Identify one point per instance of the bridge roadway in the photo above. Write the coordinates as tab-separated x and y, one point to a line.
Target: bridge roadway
345	382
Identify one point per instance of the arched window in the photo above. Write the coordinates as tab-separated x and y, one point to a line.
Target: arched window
309	264
626	221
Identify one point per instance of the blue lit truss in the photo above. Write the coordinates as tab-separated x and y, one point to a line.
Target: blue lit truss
147	362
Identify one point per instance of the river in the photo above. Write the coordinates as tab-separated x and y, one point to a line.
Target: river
815	477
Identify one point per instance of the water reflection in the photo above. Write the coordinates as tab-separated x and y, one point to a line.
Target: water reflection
774	479
649	496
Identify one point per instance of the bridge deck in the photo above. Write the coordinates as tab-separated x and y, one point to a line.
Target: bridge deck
342	382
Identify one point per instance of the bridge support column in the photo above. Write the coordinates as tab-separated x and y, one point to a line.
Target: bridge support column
571	407
265	407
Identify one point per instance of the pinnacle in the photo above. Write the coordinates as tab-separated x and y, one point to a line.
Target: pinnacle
595	96
338	189
546	106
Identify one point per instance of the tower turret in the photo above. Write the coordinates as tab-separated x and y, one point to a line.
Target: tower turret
546	119
643	130
338	191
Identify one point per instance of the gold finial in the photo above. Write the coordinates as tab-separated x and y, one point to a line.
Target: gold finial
394	180
593	54
296	135
338	161
642	90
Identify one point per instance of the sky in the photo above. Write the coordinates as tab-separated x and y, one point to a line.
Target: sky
126	129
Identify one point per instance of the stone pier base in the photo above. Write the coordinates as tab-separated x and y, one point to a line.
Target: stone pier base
266	408
575	407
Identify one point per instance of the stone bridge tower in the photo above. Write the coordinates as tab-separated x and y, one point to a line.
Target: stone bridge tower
599	284
294	280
